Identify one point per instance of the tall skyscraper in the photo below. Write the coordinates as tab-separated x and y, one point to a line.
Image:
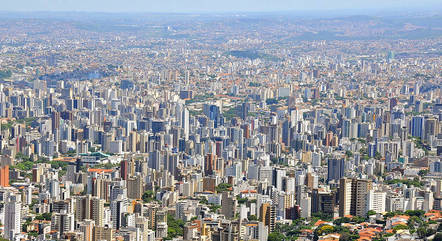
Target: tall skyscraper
353	196
267	215
87	229
417	126
209	164
135	187
55	121
344	197
4	176
118	207
12	217
97	214
360	189
63	222
185	123
335	169
124	169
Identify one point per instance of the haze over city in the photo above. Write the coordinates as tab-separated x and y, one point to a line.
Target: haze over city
189	6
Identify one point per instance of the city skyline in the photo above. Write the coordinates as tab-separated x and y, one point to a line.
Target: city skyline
254	126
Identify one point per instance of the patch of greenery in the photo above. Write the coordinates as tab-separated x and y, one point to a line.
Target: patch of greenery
175	227
58	164
204	201
200	98
223	187
400	227
322	216
242	200
275	236
252	218
415	182
213	208
148	196
44	216
231	113
26	121
106	165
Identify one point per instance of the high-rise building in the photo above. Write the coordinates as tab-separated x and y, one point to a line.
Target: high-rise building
55	121
209	164
267	215
228	205
87	229
185	123
97	214
345	186
124	169
323	202
431	127
62	222
135	187
335	169
103	233
376	201
12	217
353	196
417	126
359	191
4	176
346	128
118	207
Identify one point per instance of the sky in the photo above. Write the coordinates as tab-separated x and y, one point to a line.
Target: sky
189	6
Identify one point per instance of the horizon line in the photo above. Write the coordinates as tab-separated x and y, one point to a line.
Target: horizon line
333	11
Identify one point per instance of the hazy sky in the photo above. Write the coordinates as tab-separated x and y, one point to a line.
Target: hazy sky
211	5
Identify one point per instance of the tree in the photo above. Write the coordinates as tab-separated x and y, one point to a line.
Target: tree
326	229
44	216
418	213
399	227
275	236
213	208
430	232
223	187
252	218
323	216
175	227
371	212
147	196
423	172
241	200
421	232
345	237
339	221
204	200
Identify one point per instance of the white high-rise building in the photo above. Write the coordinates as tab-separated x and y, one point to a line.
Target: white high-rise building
376	201
428	201
63	222
12	217
185	123
118	207
306	207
